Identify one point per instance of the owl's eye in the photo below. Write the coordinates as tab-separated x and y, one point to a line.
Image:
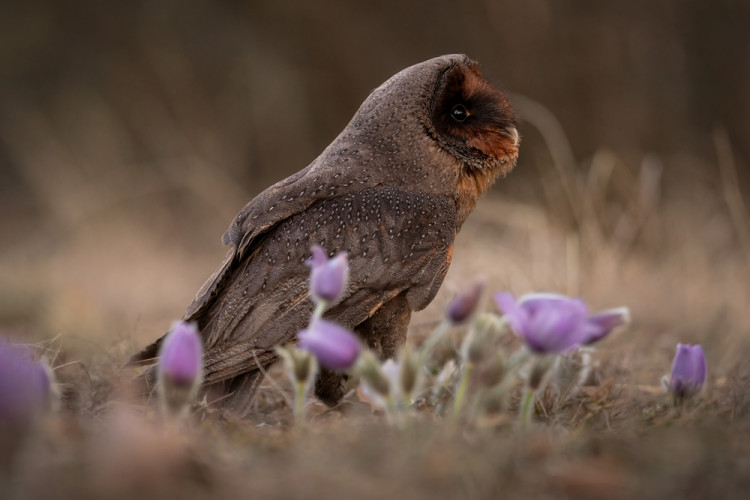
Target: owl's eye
459	113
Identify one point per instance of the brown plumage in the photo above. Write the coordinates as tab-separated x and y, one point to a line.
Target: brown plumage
392	190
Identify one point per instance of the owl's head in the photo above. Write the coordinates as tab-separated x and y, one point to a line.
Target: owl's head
443	104
470	118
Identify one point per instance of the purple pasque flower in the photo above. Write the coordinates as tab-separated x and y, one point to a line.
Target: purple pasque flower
329	277
688	370
24	385
181	356
463	305
334	346
552	324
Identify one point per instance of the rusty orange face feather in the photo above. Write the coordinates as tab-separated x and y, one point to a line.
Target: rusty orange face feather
392	190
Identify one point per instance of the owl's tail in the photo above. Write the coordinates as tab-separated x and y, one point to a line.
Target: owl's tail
232	375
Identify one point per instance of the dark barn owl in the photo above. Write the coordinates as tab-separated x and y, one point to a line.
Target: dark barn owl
392	190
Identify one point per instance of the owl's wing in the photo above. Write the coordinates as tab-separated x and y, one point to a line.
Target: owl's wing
398	242
274	204
278	202
322	180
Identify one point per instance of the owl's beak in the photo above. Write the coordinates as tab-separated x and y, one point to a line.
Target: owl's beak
512	134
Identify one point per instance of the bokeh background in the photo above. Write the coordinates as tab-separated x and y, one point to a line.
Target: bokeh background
132	132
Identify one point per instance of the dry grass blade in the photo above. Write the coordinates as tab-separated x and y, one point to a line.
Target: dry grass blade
731	186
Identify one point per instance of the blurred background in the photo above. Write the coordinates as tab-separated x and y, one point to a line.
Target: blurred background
132	132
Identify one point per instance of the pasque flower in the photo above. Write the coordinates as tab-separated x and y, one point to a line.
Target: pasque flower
334	346
329	277
688	370
181	355
553	324
180	366
25	392
24	385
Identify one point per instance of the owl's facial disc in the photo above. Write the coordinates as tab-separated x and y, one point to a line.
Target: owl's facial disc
473	121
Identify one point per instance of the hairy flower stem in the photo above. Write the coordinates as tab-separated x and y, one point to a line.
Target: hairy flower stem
527	407
320	308
299	404
392	412
435	337
463	385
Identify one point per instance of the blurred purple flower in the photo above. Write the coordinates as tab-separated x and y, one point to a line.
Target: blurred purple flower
464	305
688	370
24	385
553	324
334	346
329	277
181	356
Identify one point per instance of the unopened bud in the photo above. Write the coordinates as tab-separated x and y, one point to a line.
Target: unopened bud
462	307
478	343
372	374
329	277
493	370
409	371
180	366
301	364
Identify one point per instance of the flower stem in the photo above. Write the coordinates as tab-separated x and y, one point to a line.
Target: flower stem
527	407
299	404
435	337
458	401
392	412
320	308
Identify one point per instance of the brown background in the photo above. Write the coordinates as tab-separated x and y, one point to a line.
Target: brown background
132	132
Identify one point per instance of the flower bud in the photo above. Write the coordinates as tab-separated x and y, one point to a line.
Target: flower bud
301	364
334	346
462	307
478	344
25	385
328	277
688	371
372	374
180	366
409	371
25	393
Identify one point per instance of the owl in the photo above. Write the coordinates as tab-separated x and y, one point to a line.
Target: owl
392	190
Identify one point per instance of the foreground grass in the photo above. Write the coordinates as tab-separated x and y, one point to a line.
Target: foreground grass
625	443
614	439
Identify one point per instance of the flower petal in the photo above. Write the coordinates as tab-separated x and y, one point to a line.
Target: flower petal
602	324
517	317
319	256
334	346
555	324
699	365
